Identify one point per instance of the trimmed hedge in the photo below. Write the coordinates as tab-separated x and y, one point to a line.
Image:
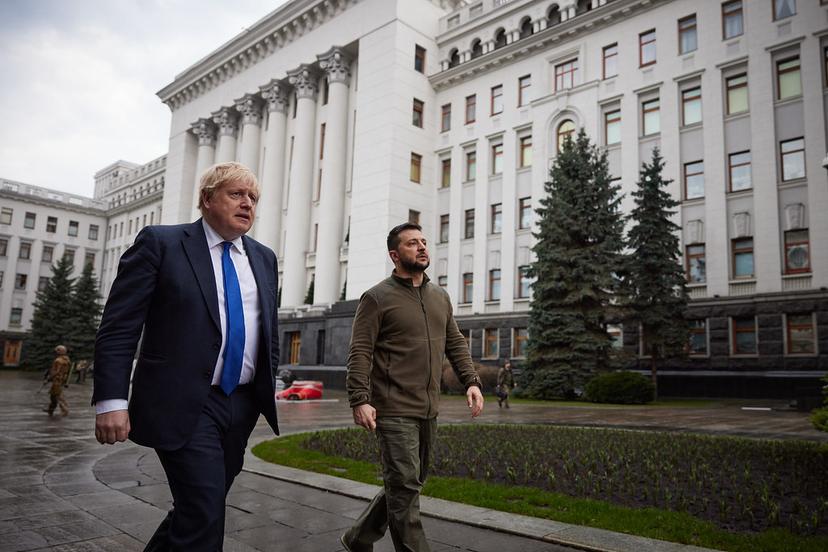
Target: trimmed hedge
620	388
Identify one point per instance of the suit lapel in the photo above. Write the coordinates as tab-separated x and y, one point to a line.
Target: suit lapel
195	247
260	274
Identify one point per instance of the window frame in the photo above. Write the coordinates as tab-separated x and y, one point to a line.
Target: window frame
689	27
491	336
496	100
605	57
733	13
6	215
616	119
468	224
734	331
497	158
686	174
735	250
445	172
496	218
24	251
468	287
418	107
689	96
51	225
645	110
524	208
812	328
731	166
416	169
445	222
419	56
523	276
519	341
698	331
642	44
29	220
688	262
445	117
775	8
791	244
784	154
471	165
733	88
560	136
525	151
471	109
495	279
523	90
73	224
780	71
566	70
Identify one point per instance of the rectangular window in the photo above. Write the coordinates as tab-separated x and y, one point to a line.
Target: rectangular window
647	48
565	74
519	341
788	81
468	287
42	282
650	114
417	113
48	254
1	279
494	284
732	23
471	108
89	259
697	345
609	61
445	118
694	180
93	230
73	227
51	224
696	264
490	343
416	165
783	9
743	335
419	58
497	100
612	127
29	221
444	228
739	171
442	281
525	212
497	158
16	317
4	246
20	281
688	36
322	141
691	106
525	152
524	84
797	252
792	153
445	174
743	258
295	347
6	215
25	251
468	227
69	255
737	94
800	334
497	218
524	282
471	165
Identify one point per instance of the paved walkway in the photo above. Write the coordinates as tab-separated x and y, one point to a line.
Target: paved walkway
62	491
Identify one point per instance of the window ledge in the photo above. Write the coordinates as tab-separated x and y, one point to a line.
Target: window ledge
793	183
800	355
695	285
492	302
797	275
468	182
614	146
694	201
526	169
653	136
739	115
786	101
691	126
744	355
738	281
740	193
521	300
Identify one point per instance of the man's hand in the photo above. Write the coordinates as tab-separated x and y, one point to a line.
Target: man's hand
112	427
474	400
365	415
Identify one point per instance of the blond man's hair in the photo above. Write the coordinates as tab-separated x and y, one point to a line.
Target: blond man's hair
220	174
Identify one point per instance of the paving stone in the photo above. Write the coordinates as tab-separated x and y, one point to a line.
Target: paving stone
126	514
103	499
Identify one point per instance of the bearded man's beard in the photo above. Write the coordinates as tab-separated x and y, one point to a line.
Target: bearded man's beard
414	266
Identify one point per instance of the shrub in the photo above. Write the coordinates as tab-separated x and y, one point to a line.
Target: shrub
450	383
819	417
620	388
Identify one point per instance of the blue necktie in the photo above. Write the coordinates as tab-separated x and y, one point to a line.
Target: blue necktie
234	348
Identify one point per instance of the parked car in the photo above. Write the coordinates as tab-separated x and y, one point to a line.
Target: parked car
301	390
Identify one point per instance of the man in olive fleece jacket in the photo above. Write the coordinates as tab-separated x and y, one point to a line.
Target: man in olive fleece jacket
402	330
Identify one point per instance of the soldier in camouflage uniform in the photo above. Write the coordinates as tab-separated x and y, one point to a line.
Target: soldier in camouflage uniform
505	384
58	375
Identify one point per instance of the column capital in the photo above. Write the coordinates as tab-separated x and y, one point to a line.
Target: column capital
275	94
205	130
304	80
337	64
250	106
227	120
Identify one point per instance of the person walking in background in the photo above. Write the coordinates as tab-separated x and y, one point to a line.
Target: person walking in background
58	375
81	368
402	329
505	384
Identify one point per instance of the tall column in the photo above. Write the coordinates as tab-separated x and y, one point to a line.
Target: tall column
269	211
227	121
300	185
250	107
332	195
205	130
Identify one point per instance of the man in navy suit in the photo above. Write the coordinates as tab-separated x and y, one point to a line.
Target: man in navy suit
204	296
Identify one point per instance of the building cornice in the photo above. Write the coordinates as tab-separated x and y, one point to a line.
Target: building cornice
57	204
135	203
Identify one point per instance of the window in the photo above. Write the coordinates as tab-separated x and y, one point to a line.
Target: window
25	252
454	58
609	61
500	38
743	258
6	215
29	221
490	343
471	165
1	279
468	228
744	335
51	224
494	284
524	282
471	107
737	94
295	347
419	58
691	107
413	217
444	228
326	91
797	252
525	152
445	173
69	255
565	74
497	158
20	281
647	48
476	49
783	9
739	171
93	230
612	127
788	83
800	334
651	119
694	180
525	28
793	158
417	113
321	143
497	100
696	265
475	10
468	287
688	37
525	212
48	253
520	338
445	118
524	84
16	317
497	218
4	246
416	164
73	227
442	281
565	130
42	282
825	64
732	24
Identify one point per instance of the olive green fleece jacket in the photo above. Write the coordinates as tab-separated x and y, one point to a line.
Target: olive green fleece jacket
400	336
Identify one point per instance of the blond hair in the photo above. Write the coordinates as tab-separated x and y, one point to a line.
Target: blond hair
220	174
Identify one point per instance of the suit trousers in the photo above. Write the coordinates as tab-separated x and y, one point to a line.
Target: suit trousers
201	472
406	446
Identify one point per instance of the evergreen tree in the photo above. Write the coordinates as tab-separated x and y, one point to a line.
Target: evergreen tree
578	249
85	315
51	323
309	294
344	291
653	277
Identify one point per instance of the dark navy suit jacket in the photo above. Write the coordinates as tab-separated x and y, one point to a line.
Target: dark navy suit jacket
166	288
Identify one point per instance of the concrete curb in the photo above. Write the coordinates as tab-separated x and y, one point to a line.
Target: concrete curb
588	539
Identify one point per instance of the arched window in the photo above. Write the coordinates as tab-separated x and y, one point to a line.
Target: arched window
500	38
525	27
553	16
583	6
476	49
565	130
454	58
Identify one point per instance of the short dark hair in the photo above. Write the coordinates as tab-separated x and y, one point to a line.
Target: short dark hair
393	240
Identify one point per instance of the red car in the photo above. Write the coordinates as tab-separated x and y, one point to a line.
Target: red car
301	390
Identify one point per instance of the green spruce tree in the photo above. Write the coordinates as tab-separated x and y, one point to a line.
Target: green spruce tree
578	252
51	321
85	315
653	276
309	294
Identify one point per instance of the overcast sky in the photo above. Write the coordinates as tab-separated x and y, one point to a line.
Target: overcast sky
78	79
